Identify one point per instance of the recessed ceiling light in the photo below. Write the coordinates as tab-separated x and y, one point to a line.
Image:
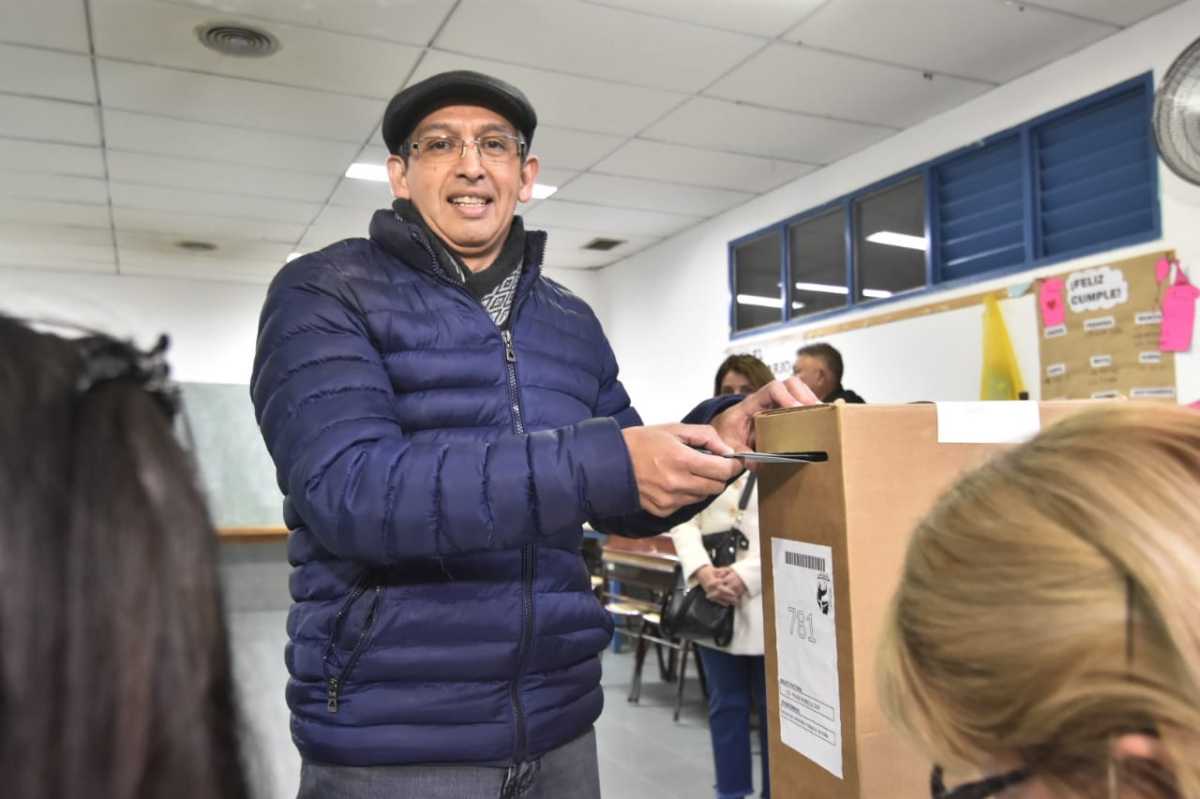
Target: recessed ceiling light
876	293
541	191
236	39
196	246
361	170
898	240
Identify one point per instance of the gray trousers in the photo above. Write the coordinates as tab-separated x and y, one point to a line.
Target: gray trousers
568	771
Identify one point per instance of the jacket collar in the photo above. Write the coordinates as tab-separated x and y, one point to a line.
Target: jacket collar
408	242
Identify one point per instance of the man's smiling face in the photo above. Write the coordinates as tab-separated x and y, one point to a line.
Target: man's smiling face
467	201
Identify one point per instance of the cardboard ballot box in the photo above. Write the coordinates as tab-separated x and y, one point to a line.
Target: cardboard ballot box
833	537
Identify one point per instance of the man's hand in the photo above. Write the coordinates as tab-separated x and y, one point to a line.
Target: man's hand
671	474
715	583
735	425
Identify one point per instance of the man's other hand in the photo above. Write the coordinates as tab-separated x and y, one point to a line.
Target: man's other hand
735	425
670	472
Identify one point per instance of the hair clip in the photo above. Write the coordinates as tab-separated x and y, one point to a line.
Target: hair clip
106	359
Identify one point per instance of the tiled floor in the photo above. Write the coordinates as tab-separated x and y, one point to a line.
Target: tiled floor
643	753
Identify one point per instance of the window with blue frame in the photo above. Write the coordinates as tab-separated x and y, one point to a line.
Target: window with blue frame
1078	180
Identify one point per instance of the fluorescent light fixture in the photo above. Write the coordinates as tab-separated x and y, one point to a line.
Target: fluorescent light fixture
765	302
762	302
293	256
823	288
541	191
877	294
898	240
363	171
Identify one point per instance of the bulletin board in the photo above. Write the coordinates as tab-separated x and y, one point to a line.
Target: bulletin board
1098	333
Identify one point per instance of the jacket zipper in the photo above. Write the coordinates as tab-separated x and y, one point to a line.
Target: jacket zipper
334	685
527	551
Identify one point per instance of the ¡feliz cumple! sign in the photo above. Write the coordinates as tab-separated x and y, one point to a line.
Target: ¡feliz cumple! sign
1096	289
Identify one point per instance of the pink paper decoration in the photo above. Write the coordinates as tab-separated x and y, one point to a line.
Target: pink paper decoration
1178	315
1050	297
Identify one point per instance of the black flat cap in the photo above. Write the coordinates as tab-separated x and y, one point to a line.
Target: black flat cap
406	110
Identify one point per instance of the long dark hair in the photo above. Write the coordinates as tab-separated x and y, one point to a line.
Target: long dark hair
115	680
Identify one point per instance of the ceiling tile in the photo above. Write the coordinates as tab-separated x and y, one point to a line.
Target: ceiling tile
1115	12
130	195
571	149
989	40
180	173
232	101
16	209
676	163
153	244
189	268
619	45
321	236
849	88
564	249
201	227
48	120
411	21
564	101
557	213
45	73
58	159
60	188
307	57
758	17
720	125
56	247
348	221
362	194
154	134
61	24
651	196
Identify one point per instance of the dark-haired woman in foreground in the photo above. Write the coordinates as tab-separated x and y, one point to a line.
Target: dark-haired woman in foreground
114	670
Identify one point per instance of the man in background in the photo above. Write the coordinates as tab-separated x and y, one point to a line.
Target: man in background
820	367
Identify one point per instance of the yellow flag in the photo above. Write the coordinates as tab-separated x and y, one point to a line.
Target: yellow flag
1001	377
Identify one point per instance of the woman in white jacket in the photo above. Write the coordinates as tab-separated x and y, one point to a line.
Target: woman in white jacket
735	673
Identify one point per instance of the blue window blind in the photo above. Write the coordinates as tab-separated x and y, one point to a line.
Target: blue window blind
980	209
1095	174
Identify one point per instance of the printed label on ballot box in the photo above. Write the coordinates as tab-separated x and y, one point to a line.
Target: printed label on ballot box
810	714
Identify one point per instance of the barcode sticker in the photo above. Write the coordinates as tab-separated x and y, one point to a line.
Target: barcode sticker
805	561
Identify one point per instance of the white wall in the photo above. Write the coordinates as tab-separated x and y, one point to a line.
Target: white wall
212	324
668	307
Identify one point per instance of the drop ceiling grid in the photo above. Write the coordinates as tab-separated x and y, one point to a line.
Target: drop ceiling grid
187	144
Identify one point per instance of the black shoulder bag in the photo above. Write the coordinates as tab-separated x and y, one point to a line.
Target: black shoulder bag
688	613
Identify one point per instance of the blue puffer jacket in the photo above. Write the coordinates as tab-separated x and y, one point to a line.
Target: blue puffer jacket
435	482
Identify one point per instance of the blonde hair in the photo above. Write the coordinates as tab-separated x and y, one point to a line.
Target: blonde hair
1051	601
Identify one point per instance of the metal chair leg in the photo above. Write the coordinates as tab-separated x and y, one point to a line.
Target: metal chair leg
684	646
700	672
639	660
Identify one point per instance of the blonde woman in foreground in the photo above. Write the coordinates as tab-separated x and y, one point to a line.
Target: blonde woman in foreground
1046	631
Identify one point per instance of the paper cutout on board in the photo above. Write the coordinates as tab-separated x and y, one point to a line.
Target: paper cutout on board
1050	296
1178	315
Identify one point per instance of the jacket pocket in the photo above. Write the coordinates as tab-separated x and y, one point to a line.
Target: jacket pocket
348	639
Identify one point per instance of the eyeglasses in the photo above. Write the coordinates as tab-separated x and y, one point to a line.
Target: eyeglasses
497	148
975	790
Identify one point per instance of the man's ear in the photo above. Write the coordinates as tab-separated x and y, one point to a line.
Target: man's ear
529	173
398	176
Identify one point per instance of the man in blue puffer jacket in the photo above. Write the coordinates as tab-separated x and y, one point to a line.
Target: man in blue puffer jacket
443	418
